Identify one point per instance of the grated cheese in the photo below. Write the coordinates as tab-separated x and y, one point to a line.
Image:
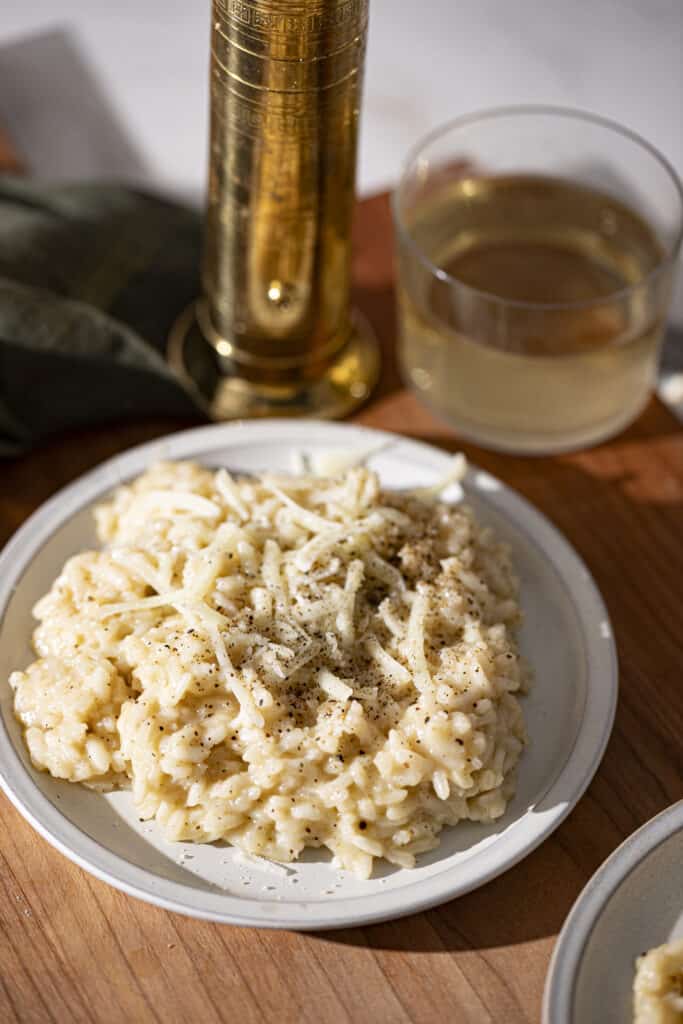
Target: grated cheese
333	686
455	475
169	503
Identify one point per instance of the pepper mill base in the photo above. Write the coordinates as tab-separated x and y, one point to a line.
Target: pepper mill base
225	395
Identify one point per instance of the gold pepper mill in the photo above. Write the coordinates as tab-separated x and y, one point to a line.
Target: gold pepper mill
286	80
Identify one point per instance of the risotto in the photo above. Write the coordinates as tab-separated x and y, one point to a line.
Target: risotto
658	985
283	662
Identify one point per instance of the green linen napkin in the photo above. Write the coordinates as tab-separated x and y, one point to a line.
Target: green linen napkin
91	279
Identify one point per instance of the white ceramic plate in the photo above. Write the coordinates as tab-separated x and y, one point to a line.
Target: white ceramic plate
632	903
566	635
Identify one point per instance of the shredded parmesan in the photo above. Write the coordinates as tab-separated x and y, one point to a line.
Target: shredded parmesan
172	598
169	503
304	516
235	684
393	670
333	686
415	641
316	548
455	475
333	464
230	493
346	616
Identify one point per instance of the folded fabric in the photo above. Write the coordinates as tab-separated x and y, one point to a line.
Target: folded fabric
91	279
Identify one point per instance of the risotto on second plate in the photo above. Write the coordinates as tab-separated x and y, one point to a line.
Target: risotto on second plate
658	985
282	663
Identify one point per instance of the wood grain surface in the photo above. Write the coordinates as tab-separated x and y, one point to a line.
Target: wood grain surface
72	949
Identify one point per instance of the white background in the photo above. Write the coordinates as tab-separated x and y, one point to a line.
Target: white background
119	87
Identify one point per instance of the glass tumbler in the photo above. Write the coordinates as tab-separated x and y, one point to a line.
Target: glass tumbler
535	254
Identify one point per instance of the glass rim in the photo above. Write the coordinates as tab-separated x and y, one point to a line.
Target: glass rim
539	109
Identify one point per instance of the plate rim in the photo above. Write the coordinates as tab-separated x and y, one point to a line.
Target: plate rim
565	962
79	847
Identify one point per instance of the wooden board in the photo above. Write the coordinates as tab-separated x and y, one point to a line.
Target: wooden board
74	950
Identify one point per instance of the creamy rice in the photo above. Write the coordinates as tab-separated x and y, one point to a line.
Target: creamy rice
658	985
283	662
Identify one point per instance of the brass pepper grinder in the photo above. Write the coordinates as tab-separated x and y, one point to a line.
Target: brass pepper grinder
273	333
